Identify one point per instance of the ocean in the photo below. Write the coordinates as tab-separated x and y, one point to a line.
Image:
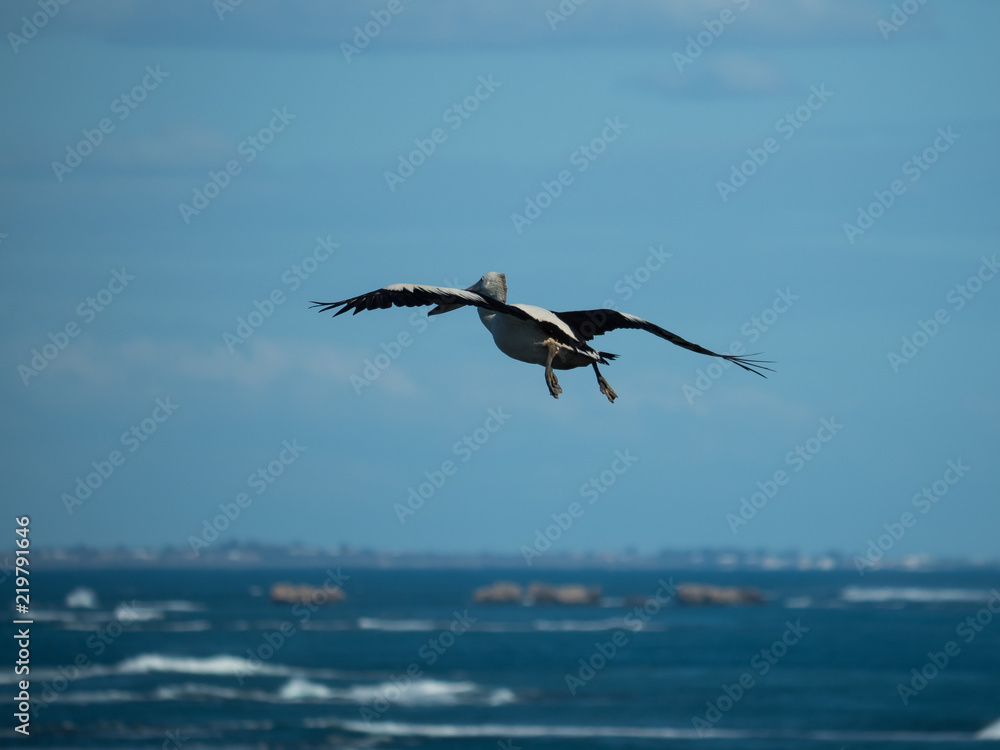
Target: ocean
204	659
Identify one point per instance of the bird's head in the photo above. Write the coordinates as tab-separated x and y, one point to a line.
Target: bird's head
492	285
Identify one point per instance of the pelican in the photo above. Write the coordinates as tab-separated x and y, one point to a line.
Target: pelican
557	340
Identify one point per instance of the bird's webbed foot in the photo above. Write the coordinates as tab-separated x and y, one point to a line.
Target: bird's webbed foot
606	388
552	382
550	376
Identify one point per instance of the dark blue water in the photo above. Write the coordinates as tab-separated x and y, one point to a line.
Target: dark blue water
204	659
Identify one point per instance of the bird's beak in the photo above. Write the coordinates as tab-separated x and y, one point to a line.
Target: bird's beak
477	287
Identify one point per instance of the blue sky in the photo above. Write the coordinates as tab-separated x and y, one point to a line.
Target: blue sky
834	105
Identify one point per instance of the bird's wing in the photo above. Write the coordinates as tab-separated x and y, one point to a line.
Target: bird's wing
590	323
417	295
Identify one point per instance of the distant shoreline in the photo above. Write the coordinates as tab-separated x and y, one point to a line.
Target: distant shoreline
253	556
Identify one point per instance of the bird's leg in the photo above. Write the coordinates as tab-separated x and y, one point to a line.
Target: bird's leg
550	376
606	388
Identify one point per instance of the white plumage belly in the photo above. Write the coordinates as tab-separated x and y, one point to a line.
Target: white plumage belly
522	339
519	339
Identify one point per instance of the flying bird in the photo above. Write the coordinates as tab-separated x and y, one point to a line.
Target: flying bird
557	340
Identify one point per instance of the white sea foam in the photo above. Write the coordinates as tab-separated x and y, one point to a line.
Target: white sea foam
616	623
507	731
428	692
867	595
196	691
185	626
798	602
59	615
173	605
420	692
329	625
550	626
81	598
129	613
82	625
992	732
222	664
433	693
372	623
98	696
501	697
297	689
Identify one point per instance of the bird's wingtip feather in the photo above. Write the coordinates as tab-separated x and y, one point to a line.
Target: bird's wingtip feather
751	365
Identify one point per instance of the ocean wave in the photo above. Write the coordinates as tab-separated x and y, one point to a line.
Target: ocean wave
137	613
330	625
297	689
798	602
544	731
173	605
372	623
556	626
81	598
197	690
869	595
422	692
184	626
301	686
419	692
190	691
83	625
148	618
67	616
992	732
501	697
78	617
135	619
221	664
97	696
533	626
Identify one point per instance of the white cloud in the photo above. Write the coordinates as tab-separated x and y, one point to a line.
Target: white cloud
179	148
726	74
257	365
